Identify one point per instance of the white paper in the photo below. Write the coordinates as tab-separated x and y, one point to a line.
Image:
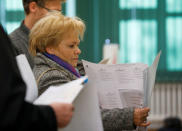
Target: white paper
150	80
110	79
131	98
122	85
86	115
63	93
28	77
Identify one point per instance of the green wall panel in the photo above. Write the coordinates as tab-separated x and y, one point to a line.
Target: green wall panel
85	12
103	19
101	24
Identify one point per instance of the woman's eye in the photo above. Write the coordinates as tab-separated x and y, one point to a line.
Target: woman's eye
71	46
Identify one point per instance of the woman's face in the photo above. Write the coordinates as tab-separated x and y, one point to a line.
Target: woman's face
68	50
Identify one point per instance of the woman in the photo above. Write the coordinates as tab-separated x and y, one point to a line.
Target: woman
50	36
54	42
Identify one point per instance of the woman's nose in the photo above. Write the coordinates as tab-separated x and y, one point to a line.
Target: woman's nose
78	51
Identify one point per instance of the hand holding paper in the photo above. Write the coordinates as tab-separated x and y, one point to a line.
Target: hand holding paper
63	112
140	117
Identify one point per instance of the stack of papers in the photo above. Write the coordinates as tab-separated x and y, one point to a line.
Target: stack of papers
28	77
122	85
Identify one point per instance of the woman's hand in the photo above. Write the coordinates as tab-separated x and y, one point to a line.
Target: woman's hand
140	117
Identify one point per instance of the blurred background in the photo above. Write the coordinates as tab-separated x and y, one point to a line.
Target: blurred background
140	28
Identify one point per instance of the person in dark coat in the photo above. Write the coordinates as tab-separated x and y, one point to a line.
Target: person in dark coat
15	113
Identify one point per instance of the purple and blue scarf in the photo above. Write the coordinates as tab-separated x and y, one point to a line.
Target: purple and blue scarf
63	64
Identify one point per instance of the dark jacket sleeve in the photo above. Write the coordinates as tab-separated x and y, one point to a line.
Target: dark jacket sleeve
80	68
15	113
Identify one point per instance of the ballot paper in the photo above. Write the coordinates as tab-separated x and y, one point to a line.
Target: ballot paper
122	85
149	81
63	93
28	77
86	115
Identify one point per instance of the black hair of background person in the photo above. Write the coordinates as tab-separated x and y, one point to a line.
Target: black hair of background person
172	124
15	113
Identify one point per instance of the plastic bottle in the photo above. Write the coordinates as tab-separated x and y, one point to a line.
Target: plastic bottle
110	50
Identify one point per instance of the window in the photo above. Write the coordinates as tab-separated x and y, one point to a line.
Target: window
148	26
130	4
174	43
140	36
174	6
12	13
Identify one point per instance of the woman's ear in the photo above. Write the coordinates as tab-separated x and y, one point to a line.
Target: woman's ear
50	50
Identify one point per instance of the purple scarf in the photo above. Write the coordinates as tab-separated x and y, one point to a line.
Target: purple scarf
63	64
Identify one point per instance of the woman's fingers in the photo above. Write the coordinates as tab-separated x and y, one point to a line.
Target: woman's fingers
145	124
140	116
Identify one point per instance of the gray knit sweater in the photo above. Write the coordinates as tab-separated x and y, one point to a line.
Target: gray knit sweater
20	40
48	72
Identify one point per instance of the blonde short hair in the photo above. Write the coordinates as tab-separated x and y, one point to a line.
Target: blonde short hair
52	29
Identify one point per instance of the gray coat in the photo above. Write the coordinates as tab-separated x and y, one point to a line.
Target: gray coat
48	72
20	40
